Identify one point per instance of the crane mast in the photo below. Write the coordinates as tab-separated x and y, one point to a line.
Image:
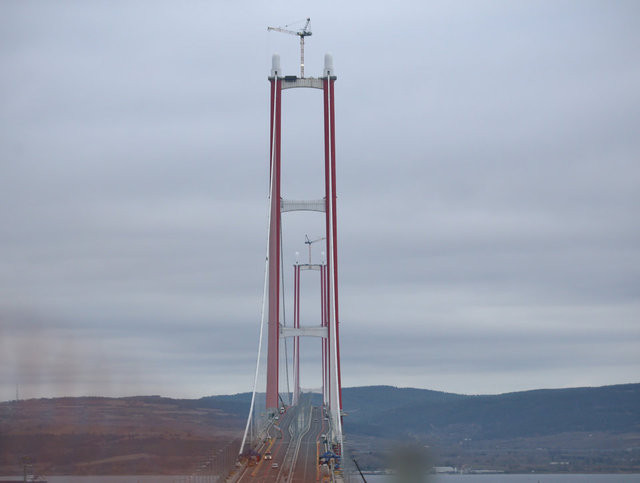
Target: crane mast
309	242
302	33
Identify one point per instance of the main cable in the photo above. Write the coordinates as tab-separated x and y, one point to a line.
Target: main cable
266	274
332	289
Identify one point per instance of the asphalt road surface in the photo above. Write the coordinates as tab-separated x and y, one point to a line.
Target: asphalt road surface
306	466
294	448
278	445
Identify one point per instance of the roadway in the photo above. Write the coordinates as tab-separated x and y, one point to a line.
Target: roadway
306	467
294	447
278	444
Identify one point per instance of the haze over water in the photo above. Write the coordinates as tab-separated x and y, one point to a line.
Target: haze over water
519	479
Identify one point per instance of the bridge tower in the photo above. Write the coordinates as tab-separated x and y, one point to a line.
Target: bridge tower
298	269
328	330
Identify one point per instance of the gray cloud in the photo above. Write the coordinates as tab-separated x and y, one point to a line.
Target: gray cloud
487	186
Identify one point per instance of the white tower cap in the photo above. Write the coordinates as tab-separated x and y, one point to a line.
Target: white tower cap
275	65
328	65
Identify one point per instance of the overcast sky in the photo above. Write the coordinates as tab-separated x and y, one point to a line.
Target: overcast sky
488	181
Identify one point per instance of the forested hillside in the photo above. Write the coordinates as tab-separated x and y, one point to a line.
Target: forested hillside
581	429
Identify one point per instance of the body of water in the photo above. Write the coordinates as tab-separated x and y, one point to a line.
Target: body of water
529	478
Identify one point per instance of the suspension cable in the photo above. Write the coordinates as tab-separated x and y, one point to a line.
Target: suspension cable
331	280
266	274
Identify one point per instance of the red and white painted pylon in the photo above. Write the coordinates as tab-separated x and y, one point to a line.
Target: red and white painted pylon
297	269
328	330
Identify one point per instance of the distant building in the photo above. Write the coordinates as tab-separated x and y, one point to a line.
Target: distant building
444	469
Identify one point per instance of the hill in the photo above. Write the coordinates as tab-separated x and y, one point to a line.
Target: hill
579	429
95	435
553	430
385	410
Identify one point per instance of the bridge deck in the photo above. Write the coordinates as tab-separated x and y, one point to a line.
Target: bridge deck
295	444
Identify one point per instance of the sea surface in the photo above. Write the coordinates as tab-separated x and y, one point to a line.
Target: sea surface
529	478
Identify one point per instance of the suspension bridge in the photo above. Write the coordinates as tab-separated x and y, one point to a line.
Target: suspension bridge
295	436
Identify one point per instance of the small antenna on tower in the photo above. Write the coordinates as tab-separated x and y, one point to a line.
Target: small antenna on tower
302	33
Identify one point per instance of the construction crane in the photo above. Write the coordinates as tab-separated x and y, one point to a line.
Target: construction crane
302	33
310	242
